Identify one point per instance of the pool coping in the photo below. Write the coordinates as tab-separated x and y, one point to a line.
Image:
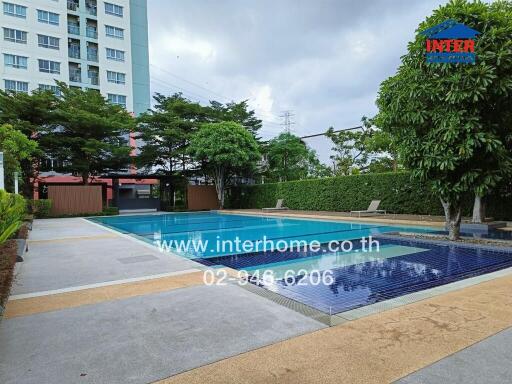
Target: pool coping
372	219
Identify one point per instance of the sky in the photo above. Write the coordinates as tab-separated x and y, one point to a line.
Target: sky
323	60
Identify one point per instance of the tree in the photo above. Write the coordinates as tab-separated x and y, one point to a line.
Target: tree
237	112
89	137
289	158
366	149
452	121
29	114
16	148
165	132
225	149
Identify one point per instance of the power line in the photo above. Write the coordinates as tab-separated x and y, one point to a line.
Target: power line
338	130
191	82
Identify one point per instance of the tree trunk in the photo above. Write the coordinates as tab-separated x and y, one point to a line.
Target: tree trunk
27	173
219	186
85	178
453	217
478	210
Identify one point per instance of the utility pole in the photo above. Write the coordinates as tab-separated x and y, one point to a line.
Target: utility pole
2	186
287	120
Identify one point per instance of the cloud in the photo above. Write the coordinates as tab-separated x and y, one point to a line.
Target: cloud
322	59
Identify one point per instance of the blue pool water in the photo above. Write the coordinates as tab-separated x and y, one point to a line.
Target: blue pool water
359	277
211	227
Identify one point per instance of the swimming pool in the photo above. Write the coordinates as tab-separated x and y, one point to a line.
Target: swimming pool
212	227
358	277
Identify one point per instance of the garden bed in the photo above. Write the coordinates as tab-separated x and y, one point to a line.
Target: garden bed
8	253
463	239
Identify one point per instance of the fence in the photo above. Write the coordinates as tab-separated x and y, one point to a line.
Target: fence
75	199
201	197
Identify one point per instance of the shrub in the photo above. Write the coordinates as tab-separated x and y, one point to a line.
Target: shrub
41	208
12	212
397	191
110	211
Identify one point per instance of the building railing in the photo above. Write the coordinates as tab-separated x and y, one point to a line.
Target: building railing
92	55
74	52
91	9
74	29
72	5
94	78
75	75
91	32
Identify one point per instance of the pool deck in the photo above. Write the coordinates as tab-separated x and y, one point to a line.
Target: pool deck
90	305
391	218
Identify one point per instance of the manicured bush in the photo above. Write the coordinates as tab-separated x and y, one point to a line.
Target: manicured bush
110	211
397	191
41	208
12	212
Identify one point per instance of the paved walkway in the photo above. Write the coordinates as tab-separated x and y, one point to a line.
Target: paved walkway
93	306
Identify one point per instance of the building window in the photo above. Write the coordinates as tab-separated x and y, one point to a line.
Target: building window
15	35
15	10
15	61
49	66
117	99
113	9
16	86
47	87
114	32
116	77
47	17
48	41
115	54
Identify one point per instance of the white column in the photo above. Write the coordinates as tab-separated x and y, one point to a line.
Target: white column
16	182
2	186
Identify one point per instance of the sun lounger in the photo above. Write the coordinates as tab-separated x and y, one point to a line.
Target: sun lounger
372	208
278	207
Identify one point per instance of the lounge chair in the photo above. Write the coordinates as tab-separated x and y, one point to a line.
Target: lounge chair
372	208
278	207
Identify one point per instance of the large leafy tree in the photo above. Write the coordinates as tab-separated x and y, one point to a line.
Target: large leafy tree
237	112
225	149
89	135
366	149
289	158
16	148
29	114
165	133
453	121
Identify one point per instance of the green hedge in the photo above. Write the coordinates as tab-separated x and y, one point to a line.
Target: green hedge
41	208
397	191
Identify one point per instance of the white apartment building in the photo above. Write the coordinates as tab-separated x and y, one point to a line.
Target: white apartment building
93	44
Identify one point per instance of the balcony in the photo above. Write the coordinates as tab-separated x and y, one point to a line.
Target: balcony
73	5
73	29
74	51
75	75
92	54
91	32
91	8
94	78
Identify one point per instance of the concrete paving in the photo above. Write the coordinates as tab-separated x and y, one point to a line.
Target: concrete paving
489	361
91	306
74	252
142	339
